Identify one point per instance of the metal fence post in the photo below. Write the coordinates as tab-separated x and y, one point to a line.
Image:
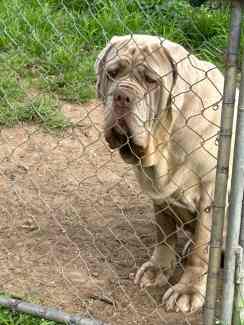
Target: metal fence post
234	220
239	289
223	163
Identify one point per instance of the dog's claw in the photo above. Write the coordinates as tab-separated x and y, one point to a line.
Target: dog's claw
186	296
150	275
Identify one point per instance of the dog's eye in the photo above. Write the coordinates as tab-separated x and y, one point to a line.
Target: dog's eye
149	79
112	74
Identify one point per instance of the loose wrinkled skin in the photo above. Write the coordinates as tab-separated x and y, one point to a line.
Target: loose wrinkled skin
162	112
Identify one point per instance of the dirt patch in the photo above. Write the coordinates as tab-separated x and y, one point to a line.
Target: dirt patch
74	223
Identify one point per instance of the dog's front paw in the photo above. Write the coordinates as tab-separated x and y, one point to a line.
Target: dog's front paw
151	275
158	269
188	294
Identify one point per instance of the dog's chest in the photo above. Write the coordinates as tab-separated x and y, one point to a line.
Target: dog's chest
160	188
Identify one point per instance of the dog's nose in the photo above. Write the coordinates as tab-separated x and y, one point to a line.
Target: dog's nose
122	99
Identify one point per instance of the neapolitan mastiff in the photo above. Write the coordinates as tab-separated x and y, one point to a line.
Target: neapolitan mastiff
162	112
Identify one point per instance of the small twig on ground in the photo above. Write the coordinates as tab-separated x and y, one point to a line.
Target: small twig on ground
103	299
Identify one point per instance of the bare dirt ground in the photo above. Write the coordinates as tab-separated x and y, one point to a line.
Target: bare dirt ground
74	224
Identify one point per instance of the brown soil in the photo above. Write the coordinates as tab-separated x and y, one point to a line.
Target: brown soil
75	224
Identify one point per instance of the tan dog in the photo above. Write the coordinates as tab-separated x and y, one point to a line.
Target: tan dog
162	111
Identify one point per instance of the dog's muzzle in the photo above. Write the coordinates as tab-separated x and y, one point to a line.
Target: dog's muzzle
126	131
121	138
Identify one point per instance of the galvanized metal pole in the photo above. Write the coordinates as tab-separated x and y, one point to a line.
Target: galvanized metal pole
238	311
45	312
234	220
223	164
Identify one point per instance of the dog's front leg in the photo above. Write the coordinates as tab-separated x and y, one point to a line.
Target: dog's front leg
161	265
189	293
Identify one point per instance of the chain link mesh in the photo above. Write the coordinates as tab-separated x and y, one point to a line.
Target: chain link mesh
75	224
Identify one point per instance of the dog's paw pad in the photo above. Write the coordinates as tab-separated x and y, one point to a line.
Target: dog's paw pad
182	298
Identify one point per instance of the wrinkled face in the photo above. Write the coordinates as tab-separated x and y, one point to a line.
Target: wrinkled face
132	86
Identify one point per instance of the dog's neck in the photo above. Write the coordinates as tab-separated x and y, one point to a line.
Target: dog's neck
159	137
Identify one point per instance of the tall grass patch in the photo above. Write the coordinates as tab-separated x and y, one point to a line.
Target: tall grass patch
52	44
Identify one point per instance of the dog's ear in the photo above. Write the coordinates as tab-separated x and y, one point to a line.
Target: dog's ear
189	71
177	80
101	60
99	64
177	52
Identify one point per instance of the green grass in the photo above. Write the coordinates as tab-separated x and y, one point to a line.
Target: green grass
51	45
8	317
17	107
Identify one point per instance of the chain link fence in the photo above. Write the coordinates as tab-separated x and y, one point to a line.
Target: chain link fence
124	241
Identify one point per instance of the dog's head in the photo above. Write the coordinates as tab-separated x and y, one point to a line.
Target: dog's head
135	78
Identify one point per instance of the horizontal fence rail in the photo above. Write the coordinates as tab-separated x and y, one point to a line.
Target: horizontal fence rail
43	312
